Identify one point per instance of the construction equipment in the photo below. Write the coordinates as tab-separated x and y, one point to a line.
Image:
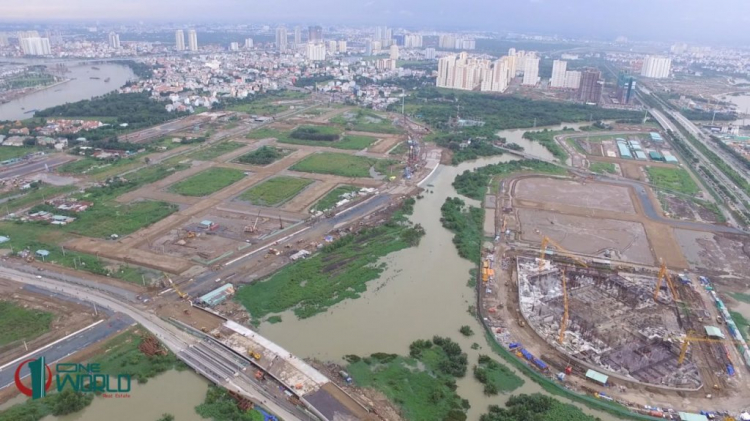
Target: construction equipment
190	234
175	288
253	354
543	252
255	224
564	321
687	340
664	274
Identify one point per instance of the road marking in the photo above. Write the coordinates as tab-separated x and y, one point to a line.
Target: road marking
265	247
50	344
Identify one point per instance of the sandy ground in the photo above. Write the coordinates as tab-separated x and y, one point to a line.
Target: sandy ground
568	192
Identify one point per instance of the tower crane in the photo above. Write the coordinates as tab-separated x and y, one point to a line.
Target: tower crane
687	340
664	275
543	251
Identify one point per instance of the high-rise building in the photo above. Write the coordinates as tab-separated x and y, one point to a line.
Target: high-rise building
342	46
429	53
192	40
656	67
368	48
413	41
332	45
179	40
591	86
234	46
35	46
316	51
531	71
281	38
385	64
559	68
297	36
465	73
248	43
572	79
394	52
114	40
315	33
3	40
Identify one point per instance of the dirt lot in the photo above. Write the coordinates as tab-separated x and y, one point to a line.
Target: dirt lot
716	254
69	317
679	208
567	192
587	235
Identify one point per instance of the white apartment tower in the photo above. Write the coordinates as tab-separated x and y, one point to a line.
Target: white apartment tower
179	40
394	52
297	36
316	51
572	79
342	46
559	68
656	67
248	43
192	40
462	72
531	71
281	38
114	40
35	46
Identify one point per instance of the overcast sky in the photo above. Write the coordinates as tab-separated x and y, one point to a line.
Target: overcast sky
689	20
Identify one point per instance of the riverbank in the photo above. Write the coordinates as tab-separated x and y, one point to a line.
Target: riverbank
33	91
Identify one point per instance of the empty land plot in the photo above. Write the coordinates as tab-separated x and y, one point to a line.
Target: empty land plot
567	192
713	252
264	155
275	191
215	151
672	179
365	121
18	323
207	182
334	196
336	164
588	235
603	167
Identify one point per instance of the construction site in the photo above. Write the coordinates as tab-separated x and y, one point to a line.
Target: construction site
588	287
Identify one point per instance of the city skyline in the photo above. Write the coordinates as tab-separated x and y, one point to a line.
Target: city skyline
667	20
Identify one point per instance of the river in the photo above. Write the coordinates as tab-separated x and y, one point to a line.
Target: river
536	148
80	87
423	292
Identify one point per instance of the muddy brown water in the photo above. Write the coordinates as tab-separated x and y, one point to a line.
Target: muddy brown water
423	292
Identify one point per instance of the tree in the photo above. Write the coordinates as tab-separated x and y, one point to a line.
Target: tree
466	330
68	402
166	417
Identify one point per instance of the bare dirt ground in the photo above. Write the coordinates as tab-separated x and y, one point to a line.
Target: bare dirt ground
682	209
68	317
716	254
633	171
569	192
586	235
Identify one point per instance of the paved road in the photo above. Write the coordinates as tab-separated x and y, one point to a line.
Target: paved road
26	168
70	346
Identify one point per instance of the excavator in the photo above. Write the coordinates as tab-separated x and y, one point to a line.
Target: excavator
253	354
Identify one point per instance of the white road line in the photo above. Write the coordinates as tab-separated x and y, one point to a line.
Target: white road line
266	246
50	344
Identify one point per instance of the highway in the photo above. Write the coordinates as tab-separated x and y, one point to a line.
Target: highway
25	168
179	342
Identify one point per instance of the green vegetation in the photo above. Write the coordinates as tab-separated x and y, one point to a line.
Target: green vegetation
275	191
207	182
215	151
105	219
340	271
137	110
219	405
274	319
602	167
318	133
365	121
326	136
535	407
264	155
58	404
547	139
29	79
495	377
672	179
166	417
742	323
399	149
473	184
265	103
334	196
92	166
739	296
37	193
467	223
436	107
336	164
17	323
466	330
466	148
263	133
422	385
8	152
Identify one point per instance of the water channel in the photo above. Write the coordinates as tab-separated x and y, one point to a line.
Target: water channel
79	87
536	148
423	292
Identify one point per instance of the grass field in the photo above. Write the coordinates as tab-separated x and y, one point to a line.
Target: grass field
214	151
10	152
672	179
18	323
496	377
275	191
336	164
339	272
107	219
366	121
745	298
93	166
122	356
265	155
348	142
333	196
207	182
602	167
263	133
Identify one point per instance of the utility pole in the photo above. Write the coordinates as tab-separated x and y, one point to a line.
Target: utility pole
713	118
96	313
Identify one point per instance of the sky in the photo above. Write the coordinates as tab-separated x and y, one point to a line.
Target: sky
724	21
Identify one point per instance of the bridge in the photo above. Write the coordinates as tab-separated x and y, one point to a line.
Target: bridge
312	396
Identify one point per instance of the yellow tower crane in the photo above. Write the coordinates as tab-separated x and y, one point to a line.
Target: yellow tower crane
543	251
664	275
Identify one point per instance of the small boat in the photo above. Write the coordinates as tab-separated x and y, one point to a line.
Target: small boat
94	77
94	67
107	80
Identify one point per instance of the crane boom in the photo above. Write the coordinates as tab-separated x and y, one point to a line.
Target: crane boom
687	340
664	275
543	251
564	321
